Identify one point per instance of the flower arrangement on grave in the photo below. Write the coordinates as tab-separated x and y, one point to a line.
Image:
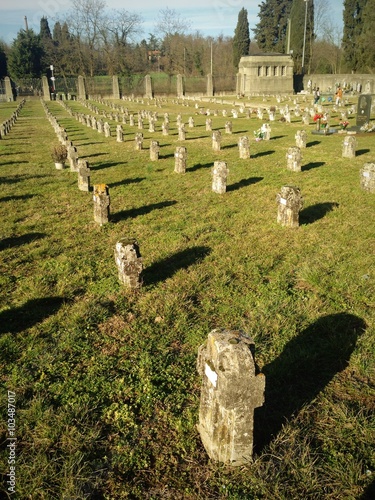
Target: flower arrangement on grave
320	120
344	124
258	134
59	153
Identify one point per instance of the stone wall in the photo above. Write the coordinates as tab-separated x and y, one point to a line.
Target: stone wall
361	84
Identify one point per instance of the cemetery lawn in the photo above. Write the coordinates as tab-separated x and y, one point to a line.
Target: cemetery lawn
107	392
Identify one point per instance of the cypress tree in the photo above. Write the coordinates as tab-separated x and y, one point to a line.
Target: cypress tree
271	31
366	40
241	39
353	24
3	61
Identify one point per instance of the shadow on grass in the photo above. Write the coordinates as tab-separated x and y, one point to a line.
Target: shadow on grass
304	368
135	212
312	165
277	137
93	155
166	268
17	241
312	143
18	197
32	312
369	493
262	153
19	178
164	157
107	165
311	214
13	162
198	166
126	181
244	182
361	152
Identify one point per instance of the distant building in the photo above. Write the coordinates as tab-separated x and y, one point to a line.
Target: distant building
267	73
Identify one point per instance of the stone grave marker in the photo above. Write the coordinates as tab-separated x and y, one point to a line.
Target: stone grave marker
138	139
290	204
107	130
244	147
154	150
294	159
180	160
216	140
129	263
363	110
349	145
232	388
301	138
219	177
83	175
181	132
119	133
368	177
228	127
101	203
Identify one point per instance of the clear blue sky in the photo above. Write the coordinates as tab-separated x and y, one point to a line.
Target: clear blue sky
210	17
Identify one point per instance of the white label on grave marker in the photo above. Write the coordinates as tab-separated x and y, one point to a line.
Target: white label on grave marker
211	375
283	201
366	174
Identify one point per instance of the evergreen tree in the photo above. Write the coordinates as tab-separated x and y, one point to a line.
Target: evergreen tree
25	58
366	40
45	32
46	42
353	23
301	15
271	31
3	60
241	39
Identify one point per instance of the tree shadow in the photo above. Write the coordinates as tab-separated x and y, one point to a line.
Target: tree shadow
135	212
313	213
312	143
126	181
304	368
32	312
198	166
361	152
166	268
312	165
262	153
17	241
243	183
18	197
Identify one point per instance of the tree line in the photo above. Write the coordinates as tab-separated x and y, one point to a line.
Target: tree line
92	40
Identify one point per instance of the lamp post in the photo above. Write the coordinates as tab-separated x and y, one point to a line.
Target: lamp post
52	79
304	37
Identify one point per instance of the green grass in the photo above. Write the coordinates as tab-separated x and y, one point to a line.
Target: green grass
107	391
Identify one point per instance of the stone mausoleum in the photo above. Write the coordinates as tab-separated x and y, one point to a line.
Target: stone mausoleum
265	74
